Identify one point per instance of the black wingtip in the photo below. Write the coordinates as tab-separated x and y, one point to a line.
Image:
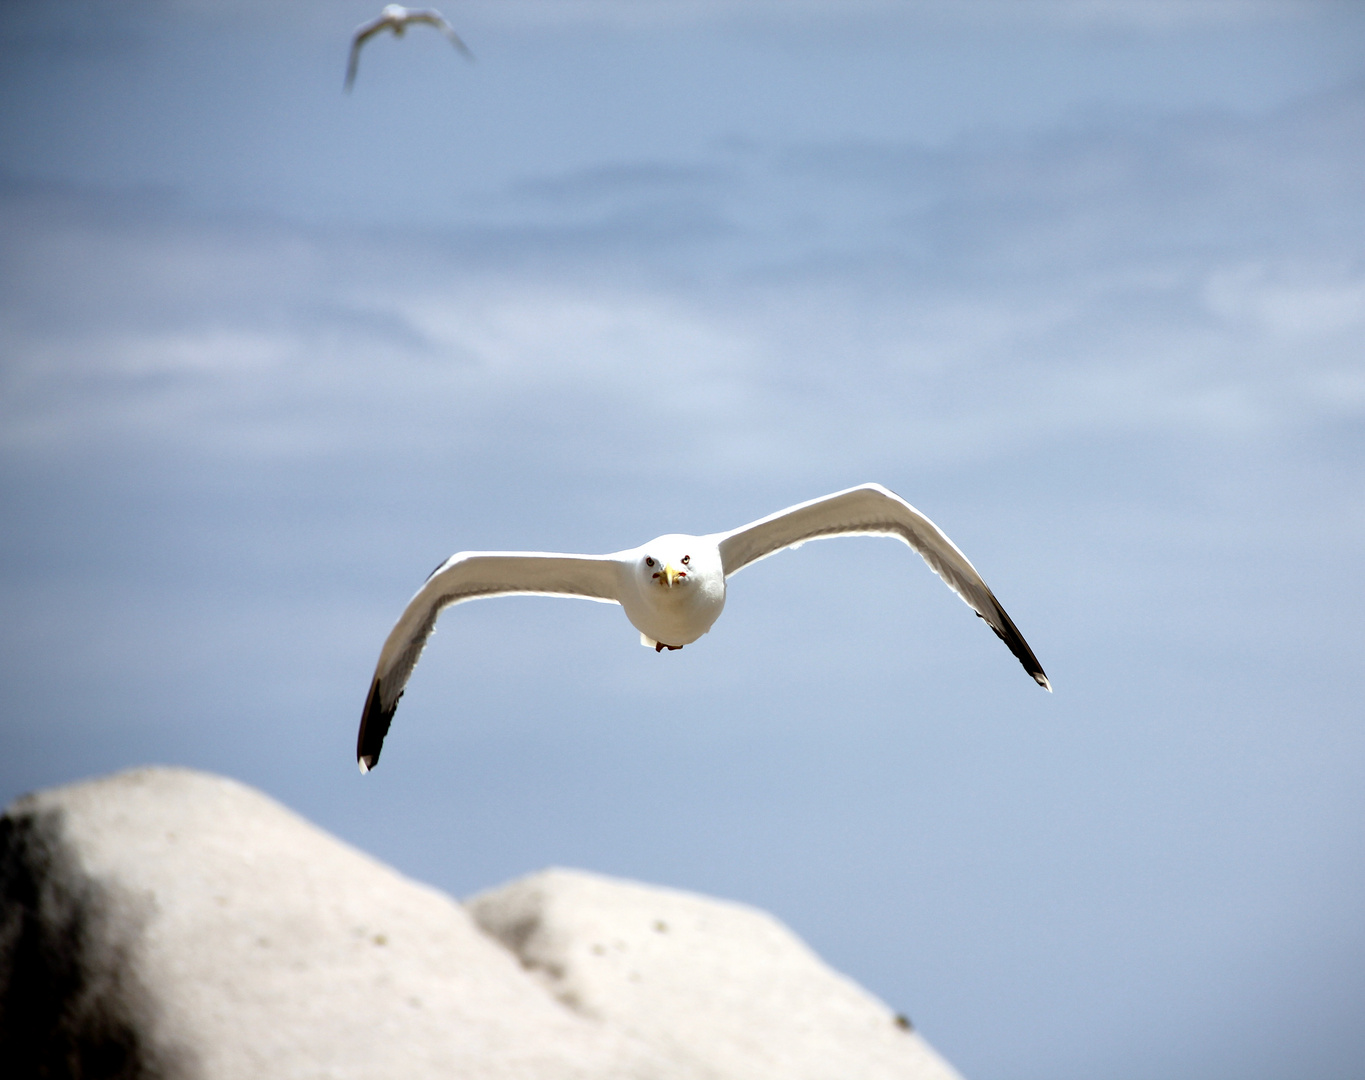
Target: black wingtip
374	725
1016	644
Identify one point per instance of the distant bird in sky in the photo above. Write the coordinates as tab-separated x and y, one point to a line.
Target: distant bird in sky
672	588
397	18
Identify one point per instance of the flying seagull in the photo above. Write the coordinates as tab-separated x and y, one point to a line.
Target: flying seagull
397	18
672	588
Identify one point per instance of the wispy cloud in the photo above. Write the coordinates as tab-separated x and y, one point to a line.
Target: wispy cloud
1190	276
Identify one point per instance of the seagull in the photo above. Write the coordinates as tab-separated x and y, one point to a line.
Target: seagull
672	588
395	17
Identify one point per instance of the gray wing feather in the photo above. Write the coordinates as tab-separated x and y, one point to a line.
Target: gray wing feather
471	575
362	35
872	510
436	19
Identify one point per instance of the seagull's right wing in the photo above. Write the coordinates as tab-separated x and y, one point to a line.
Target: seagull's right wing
872	510
363	34
471	575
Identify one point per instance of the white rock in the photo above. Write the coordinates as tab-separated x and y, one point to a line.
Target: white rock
188	926
717	988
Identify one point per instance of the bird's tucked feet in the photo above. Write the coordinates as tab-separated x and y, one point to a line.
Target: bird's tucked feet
659	646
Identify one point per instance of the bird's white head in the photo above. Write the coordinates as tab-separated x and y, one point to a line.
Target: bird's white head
667	562
679	589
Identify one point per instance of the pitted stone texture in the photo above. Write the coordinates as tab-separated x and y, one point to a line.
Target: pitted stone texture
718	988
168	924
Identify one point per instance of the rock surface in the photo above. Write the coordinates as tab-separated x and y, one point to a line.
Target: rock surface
169	924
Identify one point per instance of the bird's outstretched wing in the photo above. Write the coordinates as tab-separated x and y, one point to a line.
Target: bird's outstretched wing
434	18
363	34
470	575
872	510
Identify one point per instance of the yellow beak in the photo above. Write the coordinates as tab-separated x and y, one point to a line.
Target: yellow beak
672	574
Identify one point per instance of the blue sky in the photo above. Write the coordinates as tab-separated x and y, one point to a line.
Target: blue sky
1083	281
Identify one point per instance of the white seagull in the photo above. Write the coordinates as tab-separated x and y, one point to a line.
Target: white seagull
672	588
397	18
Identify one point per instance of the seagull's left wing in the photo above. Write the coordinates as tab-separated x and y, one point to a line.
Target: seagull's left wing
872	510
435	18
471	575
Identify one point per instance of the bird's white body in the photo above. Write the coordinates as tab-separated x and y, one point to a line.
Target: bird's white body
396	18
672	589
676	615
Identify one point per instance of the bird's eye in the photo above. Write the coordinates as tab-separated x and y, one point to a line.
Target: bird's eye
686	559
649	562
